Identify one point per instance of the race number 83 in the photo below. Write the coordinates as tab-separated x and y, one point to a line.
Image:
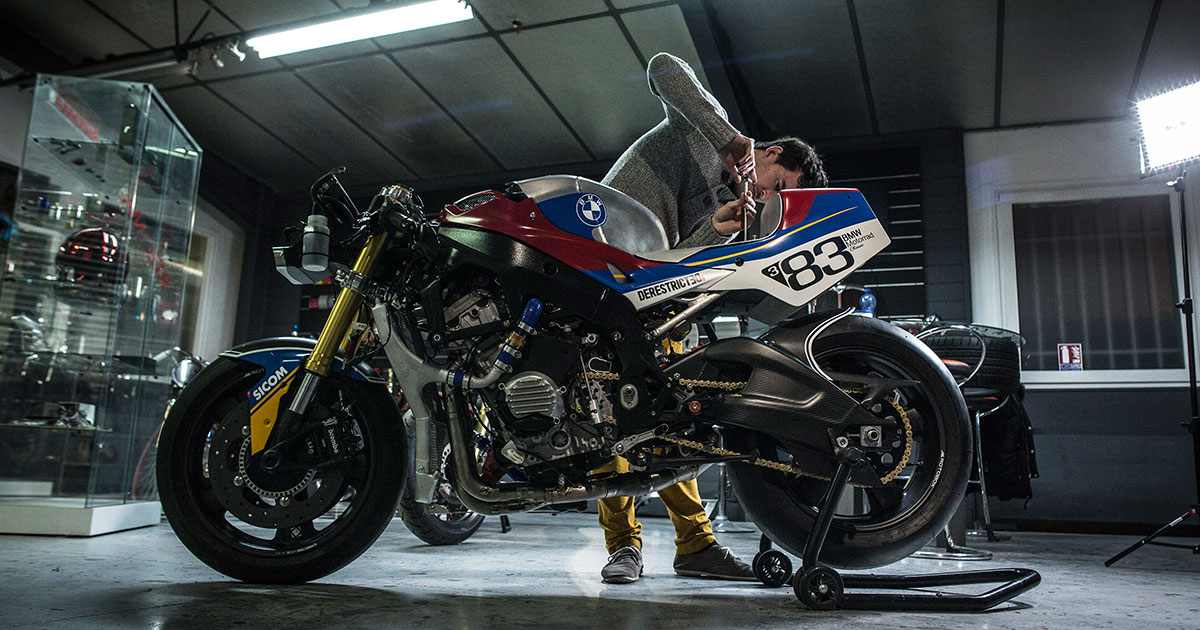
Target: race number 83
808	267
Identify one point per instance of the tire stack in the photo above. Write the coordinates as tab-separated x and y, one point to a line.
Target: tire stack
1006	435
1001	369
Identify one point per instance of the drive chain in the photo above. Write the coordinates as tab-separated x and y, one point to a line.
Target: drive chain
795	470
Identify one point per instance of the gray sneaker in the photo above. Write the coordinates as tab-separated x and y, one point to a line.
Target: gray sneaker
624	566
714	561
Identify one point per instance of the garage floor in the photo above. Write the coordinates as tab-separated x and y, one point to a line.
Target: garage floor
545	573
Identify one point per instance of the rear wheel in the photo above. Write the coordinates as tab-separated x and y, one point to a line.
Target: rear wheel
444	521
889	522
285	526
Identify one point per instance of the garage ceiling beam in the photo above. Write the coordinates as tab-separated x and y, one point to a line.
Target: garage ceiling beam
998	90
28	53
1141	62
722	55
495	34
862	67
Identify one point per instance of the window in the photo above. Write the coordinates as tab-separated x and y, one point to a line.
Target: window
1100	273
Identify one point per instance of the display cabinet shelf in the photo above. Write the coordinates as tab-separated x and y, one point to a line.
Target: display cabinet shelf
92	290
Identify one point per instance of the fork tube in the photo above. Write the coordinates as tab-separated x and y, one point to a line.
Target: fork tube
344	309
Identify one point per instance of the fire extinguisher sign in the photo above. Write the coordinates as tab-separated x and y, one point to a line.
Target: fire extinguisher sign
1070	356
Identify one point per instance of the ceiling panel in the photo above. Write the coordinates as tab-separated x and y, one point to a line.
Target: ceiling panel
73	30
296	114
1174	55
501	13
433	34
264	14
238	140
664	30
154	20
480	87
625	4
930	66
590	73
800	66
393	109
1071	59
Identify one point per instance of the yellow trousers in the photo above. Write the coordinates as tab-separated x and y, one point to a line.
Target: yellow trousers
693	531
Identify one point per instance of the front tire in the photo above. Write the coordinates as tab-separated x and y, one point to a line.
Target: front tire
904	514
285	527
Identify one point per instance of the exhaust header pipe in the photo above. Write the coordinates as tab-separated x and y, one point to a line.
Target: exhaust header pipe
490	500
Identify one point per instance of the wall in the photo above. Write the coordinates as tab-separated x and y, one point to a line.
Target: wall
943	197
15	106
215	316
249	206
1107	453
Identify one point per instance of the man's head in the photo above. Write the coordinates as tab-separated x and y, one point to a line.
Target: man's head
786	162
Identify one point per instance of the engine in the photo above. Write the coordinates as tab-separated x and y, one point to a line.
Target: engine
562	433
549	415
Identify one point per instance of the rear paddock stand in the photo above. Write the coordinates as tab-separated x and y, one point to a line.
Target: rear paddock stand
822	588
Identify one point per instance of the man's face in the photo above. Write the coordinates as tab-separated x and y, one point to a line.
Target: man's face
770	177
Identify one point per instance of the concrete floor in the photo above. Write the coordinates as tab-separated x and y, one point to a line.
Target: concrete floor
545	573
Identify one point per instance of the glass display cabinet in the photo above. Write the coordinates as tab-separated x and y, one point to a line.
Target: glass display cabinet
91	299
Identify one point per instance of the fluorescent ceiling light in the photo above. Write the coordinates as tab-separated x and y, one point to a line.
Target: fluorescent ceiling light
375	24
1170	128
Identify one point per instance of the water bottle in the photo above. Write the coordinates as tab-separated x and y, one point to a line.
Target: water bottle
866	304
315	253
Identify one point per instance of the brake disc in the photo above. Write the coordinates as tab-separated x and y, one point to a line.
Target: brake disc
265	499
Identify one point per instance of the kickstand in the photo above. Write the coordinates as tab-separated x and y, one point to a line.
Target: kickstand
822	588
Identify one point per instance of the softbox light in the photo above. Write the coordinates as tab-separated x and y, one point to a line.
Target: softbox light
1170	128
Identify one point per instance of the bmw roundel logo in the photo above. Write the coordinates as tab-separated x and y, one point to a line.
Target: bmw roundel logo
590	209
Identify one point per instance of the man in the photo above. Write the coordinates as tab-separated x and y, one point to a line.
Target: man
685	170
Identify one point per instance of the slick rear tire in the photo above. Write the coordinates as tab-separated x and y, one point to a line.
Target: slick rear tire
898	518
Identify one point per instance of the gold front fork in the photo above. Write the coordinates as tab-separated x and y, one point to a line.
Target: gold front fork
345	309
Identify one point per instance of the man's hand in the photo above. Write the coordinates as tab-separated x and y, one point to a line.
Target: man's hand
727	219
738	158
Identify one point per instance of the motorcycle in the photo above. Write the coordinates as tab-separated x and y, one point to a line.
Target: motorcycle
525	327
144	484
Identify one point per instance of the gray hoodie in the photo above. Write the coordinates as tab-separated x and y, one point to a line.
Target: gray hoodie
674	169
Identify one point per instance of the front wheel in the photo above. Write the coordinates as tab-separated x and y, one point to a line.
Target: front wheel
289	525
930	469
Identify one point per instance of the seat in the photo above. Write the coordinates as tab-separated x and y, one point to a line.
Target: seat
632	227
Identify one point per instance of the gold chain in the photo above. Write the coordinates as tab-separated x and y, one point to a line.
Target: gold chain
736	385
795	470
886	479
687	382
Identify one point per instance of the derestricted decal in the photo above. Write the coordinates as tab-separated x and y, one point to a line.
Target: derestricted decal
670	286
658	292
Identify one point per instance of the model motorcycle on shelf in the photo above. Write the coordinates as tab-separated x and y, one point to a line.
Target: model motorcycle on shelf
525	327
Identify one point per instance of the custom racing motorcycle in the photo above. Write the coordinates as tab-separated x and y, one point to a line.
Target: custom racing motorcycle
525	327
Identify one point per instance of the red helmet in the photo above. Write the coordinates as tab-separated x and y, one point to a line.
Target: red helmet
91	261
